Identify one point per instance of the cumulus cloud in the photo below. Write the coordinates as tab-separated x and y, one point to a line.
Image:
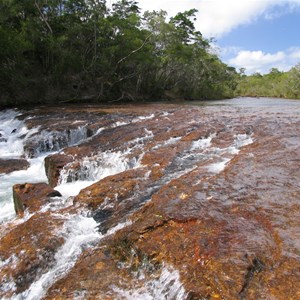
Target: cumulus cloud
218	17
295	53
259	61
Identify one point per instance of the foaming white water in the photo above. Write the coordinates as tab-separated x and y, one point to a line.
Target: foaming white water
80	232
47	141
202	143
118	123
71	189
142	118
170	141
167	286
218	167
93	169
35	173
240	141
97	167
11	131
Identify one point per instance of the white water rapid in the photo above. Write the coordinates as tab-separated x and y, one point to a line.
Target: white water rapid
80	230
13	133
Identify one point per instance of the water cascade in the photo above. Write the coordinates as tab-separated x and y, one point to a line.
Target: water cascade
155	202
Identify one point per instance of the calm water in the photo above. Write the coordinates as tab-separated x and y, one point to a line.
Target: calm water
247	102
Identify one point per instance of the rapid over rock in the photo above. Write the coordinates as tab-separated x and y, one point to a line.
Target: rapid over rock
178	202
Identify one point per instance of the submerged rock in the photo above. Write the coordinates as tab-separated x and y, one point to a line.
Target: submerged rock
11	165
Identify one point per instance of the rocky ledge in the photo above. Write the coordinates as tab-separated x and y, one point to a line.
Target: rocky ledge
200	203
11	165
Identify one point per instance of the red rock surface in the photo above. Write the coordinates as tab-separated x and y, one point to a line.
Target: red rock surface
31	197
231	233
28	250
11	165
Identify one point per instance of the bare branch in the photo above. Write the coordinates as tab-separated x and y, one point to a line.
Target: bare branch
43	17
136	50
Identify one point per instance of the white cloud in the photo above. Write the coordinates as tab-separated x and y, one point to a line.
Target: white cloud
218	17
259	61
295	53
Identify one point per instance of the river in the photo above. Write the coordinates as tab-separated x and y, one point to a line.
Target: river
198	200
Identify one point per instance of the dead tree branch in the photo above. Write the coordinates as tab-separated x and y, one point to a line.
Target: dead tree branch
43	17
136	50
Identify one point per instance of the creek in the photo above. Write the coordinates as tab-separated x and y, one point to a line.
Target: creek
157	201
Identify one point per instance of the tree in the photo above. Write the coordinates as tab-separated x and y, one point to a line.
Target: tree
55	50
293	82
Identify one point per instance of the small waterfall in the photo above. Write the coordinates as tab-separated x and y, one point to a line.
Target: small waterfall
16	140
35	173
202	144
97	167
103	164
46	141
11	132
142	118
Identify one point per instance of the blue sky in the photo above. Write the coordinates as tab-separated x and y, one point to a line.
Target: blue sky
267	41
255	34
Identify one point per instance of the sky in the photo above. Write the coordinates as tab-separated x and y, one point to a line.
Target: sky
254	34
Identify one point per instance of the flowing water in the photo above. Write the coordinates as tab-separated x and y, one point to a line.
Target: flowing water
200	146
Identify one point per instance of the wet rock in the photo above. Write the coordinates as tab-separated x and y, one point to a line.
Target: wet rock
114	197
221	213
218	230
11	165
32	197
54	194
26	254
53	165
57	129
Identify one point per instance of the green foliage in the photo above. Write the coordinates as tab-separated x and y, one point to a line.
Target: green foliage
274	84
53	50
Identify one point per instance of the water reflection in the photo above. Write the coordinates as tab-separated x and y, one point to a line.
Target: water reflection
249	102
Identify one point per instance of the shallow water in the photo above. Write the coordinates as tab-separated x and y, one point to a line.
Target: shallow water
249	102
230	162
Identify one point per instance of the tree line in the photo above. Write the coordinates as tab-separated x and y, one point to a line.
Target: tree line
66	50
274	84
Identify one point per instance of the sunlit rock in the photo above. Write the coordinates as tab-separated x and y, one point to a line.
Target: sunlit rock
31	197
27	251
179	203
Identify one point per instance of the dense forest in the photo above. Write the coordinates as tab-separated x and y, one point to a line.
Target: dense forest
85	50
65	50
274	84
